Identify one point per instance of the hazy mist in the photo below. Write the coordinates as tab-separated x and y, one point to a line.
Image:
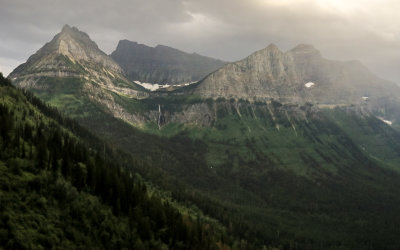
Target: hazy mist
227	29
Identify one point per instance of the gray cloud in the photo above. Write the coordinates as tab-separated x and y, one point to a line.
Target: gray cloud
368	30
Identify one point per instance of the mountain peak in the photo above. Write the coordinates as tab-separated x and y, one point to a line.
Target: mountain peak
74	46
72	56
162	64
124	45
69	33
267	52
305	49
125	41
66	28
74	33
272	46
286	76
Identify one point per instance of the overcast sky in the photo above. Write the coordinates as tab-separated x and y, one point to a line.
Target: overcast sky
367	30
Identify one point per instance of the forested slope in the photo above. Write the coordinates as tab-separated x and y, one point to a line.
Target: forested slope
59	190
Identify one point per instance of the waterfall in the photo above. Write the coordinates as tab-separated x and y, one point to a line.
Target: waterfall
159	116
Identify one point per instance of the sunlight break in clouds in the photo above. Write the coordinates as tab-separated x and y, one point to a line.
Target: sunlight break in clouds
338	5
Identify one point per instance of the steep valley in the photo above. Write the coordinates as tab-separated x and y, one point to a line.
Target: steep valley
284	149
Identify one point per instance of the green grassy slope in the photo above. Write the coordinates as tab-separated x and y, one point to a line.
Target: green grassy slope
376	139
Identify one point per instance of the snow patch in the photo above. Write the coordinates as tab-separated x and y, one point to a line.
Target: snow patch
386	121
149	86
155	86
309	84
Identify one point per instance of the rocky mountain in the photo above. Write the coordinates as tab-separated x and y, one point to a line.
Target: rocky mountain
299	75
265	160
162	64
71	70
73	44
72	54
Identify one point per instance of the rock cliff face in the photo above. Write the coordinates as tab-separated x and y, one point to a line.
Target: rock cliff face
72	73
297	76
72	54
162	64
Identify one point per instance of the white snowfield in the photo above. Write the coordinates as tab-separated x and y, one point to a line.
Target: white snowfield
309	84
148	86
155	86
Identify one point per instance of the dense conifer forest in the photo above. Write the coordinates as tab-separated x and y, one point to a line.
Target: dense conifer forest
63	191
62	187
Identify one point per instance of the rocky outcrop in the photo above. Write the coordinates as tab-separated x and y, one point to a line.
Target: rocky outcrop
162	64
299	75
74	45
207	113
294	78
72	54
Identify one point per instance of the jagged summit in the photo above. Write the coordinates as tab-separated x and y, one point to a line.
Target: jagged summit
71	54
70	51
69	33
68	28
162	64
272	46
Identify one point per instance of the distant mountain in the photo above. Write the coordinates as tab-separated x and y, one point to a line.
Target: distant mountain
162	64
297	76
71	71
71	53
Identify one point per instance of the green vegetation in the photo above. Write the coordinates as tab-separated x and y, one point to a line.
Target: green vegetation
62	188
374	137
67	93
271	174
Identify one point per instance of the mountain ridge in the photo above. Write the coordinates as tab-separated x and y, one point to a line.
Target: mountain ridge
272	74
71	70
72	54
162	64
74	44
280	171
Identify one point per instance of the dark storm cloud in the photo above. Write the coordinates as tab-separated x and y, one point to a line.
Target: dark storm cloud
368	30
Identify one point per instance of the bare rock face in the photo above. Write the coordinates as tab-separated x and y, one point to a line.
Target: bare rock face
77	45
72	54
299	75
162	64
